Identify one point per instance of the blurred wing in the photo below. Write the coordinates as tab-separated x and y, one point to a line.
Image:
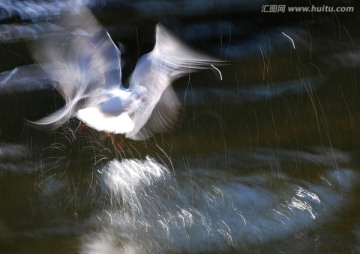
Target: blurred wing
161	119
169	60
165	112
92	42
172	56
56	119
24	79
83	60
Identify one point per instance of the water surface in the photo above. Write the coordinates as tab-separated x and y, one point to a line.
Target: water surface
265	160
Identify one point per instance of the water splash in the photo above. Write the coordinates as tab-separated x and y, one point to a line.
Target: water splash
151	209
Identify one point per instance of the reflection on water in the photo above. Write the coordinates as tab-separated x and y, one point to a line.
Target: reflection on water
264	161
201	209
263	200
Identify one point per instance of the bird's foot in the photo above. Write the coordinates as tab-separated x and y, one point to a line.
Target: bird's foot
117	139
106	136
82	128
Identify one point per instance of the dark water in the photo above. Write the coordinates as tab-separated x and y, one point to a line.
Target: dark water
265	160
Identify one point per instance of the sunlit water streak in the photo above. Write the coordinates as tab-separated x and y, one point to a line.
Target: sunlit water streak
238	201
36	10
42	9
247	200
150	209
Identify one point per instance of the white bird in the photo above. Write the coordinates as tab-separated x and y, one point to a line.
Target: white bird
86	65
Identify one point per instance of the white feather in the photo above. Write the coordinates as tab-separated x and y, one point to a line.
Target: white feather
96	119
86	65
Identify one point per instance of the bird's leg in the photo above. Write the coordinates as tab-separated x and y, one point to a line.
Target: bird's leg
106	136
82	128
119	141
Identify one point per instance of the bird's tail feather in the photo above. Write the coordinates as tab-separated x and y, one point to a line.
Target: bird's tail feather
57	118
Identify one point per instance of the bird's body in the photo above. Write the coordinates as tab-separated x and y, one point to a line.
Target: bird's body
86	65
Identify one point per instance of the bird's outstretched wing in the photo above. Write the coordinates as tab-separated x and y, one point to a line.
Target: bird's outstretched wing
170	59
83	60
176	59
24	79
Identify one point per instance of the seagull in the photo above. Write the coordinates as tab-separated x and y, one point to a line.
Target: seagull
85	65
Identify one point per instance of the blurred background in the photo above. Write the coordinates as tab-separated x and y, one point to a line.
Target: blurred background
264	160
